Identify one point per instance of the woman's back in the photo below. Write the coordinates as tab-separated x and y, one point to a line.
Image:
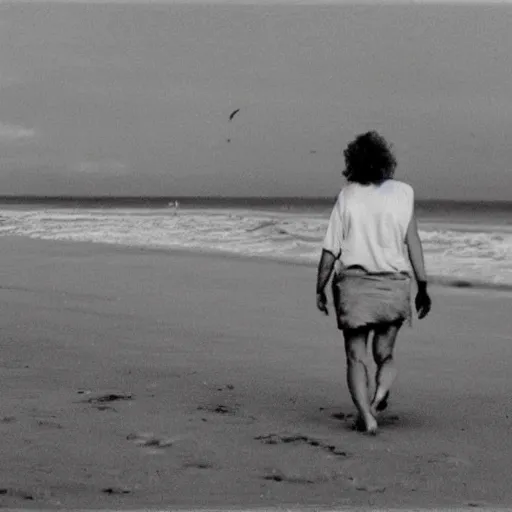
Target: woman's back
373	232
368	226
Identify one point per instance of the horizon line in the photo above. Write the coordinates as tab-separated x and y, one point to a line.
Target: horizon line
36	197
315	3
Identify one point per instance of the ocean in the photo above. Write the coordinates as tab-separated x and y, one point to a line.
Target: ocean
465	243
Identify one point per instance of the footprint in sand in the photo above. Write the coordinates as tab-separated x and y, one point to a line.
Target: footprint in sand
149	440
288	479
109	397
105	408
388	419
302	439
446	458
16	493
49	424
371	488
340	415
198	465
277	475
116	490
100	402
226	410
218	409
230	387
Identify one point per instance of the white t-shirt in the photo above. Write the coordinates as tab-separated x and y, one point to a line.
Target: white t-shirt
368	226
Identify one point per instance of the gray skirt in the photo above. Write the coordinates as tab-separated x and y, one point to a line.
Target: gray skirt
362	299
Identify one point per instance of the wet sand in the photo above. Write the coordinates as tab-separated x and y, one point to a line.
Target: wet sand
134	378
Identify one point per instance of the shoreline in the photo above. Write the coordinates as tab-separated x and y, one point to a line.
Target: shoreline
293	508
440	281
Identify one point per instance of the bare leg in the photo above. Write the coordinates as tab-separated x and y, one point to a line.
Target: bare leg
383	345
357	375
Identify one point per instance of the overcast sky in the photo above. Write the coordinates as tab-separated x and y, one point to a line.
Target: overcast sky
134	99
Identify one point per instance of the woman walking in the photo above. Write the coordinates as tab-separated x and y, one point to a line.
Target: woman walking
373	239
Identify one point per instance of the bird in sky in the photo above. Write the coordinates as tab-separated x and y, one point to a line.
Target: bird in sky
233	114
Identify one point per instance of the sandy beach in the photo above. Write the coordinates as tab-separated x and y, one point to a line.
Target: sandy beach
138	378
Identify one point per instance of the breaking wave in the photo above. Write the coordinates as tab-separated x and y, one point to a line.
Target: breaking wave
459	252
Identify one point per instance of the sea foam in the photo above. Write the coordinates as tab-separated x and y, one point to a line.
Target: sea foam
468	253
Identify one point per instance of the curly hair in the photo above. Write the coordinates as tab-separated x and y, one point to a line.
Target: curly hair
369	159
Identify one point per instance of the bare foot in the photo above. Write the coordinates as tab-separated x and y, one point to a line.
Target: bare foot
380	406
368	426
371	426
